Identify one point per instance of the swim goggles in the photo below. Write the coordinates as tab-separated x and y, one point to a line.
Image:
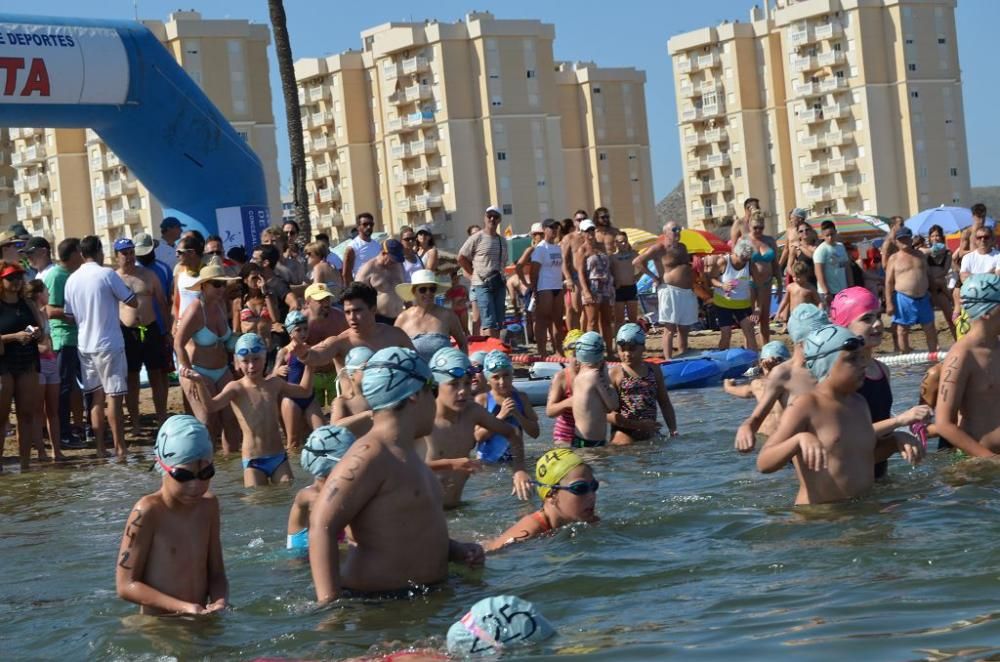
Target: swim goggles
322	452
246	351
409	372
577	487
850	345
458	373
182	475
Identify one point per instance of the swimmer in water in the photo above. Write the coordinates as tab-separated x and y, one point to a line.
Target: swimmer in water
323	449
772	355
568	491
454	435
170	558
299	415
827	434
350	409
786	381
479	383
594	397
641	390
559	404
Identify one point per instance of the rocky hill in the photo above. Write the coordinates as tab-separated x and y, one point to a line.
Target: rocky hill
673	207
989	196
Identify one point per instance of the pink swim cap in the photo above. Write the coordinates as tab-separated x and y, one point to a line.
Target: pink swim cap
850	304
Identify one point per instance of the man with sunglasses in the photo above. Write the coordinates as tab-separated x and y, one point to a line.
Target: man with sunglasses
678	305
483	257
362	249
828	434
11	245
605	231
170	233
983	259
170	557
383	490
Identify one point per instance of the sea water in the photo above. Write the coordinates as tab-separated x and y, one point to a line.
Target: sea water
697	555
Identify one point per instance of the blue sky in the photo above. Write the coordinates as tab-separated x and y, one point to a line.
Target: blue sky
618	33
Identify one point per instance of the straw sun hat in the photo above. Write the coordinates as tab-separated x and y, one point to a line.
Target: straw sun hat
419	277
210	272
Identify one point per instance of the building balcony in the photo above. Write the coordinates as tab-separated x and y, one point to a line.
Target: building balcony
320	119
712	110
131	184
418	147
415	65
394	125
819	193
26	132
695	139
111	160
699	187
708	61
20	185
844	191
800	89
809	142
828	31
33	154
717	135
101	219
100	192
328	195
835	138
717	160
836	111
405	205
803	64
122	216
418	119
411	94
685	65
721	184
418	176
833	84
840	164
814	169
811	115
330	220
316	93
36	182
92	137
709	86
39	209
697	164
115	188
324	169
427	201
830	58
320	145
686	90
799	37
97	162
690	114
22	213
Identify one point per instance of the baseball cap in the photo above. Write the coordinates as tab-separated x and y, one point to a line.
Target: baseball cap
904	231
35	243
586	224
144	243
318	292
536	228
171	222
394	249
550	223
123	244
425	229
493	210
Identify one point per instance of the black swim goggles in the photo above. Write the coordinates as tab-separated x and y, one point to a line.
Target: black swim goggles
182	475
577	487
458	372
407	372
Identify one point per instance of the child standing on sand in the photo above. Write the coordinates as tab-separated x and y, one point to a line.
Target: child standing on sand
593	395
568	491
323	449
641	390
772	355
170	558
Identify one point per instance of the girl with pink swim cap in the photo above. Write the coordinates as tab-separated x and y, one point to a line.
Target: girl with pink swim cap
857	309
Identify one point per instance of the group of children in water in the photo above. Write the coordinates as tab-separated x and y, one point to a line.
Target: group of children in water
401	450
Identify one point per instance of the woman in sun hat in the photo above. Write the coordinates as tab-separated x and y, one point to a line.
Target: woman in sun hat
429	325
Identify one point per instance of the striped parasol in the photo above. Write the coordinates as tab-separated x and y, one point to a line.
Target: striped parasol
852	227
703	242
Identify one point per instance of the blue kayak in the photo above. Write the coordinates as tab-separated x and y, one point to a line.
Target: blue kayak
697	372
733	362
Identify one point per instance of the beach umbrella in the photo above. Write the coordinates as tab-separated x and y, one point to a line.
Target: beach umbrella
703	241
851	227
640	239
951	220
342	246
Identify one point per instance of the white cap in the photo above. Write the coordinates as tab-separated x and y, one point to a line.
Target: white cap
493	209
586	224
536	228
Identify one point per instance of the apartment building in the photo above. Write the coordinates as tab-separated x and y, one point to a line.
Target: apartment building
69	183
430	122
8	211
838	106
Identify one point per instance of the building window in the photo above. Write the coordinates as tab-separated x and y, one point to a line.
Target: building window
941	40
911	67
737	172
597	90
602	156
954	172
508	209
915	94
531	73
496	102
541	182
909	42
501	156
827	210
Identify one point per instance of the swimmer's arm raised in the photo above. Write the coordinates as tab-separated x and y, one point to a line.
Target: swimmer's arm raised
353	422
218	584
951	391
783	444
319	354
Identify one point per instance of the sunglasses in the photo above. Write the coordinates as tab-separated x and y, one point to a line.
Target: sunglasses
247	351
604	217
215	283
182	251
578	487
408	239
16	244
983	237
367	225
757	227
675	230
849	345
213	253
182	475
425	289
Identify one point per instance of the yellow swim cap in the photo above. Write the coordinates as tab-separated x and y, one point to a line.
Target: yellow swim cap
570	340
552	467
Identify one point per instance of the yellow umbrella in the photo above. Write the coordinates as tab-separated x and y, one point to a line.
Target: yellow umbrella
640	239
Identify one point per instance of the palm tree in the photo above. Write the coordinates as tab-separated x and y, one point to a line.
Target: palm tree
290	92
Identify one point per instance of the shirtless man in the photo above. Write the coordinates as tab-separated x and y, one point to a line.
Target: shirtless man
143	340
594	397
741	226
384	273
678	305
907	296
325	321
828	433
448	446
623	273
569	245
363	330
966	244
386	493
605	231
788	380
966	412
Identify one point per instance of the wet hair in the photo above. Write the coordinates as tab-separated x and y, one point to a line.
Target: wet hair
67	247
363	291
269	253
979	209
90	247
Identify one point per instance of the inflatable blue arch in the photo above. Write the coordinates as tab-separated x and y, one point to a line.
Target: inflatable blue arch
115	78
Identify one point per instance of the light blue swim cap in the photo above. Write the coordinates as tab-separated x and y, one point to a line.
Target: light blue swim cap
357	358
249	343
495	362
499	622
823	346
805	319
324	448
590	348
980	294
631	334
182	439
478	357
295	318
392	375
775	350
447	363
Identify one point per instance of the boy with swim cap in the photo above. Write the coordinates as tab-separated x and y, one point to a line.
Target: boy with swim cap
593	395
786	381
350	409
496	624
324	448
479	384
568	492
299	415
559	404
641	390
828	433
967	388
170	558
386	493
454	434
255	400
772	355
509	405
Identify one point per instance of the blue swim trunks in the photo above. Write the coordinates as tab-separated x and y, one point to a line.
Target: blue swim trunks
299	540
910	311
268	464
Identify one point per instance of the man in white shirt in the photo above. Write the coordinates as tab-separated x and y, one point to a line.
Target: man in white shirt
170	232
92	295
362	248
39	254
983	259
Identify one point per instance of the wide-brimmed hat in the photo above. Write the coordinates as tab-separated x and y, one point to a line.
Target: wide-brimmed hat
419	277
210	272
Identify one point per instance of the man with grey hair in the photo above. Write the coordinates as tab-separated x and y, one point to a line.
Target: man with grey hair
731	294
678	305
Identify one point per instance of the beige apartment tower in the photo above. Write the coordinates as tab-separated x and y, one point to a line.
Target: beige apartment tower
838	106
431	122
67	182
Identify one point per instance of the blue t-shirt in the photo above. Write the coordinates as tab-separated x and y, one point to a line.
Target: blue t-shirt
834	263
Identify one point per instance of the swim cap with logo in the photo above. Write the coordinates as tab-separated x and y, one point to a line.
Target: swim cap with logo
851	303
356	359
478	357
824	345
590	348
497	362
496	623
447	362
774	350
295	318
182	439
631	334
392	375
324	448
552	467
805	319
980	294
249	343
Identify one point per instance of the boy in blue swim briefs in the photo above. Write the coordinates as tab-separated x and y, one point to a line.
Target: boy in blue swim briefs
323	449
255	400
170	558
594	397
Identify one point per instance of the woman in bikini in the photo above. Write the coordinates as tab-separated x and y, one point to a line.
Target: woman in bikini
764	269
203	342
